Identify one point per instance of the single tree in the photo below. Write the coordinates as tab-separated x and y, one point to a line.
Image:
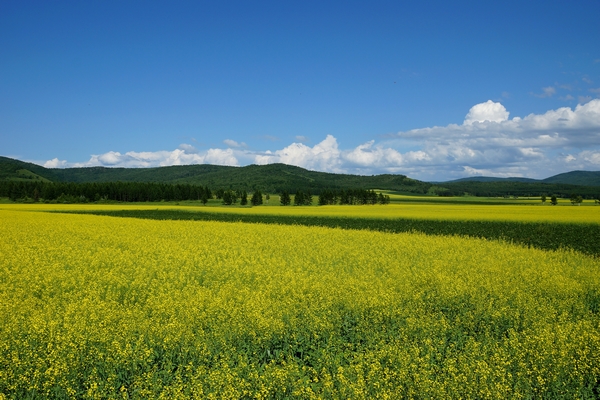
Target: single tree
553	200
543	198
228	197
284	199
244	198
576	200
256	198
299	198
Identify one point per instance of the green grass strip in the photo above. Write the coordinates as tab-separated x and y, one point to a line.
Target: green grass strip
548	236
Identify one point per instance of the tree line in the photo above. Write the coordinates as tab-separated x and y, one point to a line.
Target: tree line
518	189
352	196
101	191
63	192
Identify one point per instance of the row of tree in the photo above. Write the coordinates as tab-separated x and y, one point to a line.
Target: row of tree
352	196
149	192
230	197
576	199
512	189
98	191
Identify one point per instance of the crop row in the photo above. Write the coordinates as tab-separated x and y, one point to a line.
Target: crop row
542	235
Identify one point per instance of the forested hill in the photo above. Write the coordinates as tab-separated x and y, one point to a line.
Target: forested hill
272	178
276	178
583	178
584	183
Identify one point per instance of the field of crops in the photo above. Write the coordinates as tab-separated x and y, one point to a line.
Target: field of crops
101	307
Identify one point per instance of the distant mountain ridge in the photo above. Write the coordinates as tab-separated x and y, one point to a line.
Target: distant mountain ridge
270	178
275	178
583	178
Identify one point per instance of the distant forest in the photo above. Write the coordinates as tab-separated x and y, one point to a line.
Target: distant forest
518	189
19	180
151	192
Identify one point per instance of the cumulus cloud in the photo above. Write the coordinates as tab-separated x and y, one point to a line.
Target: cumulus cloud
55	163
486	143
529	146
324	156
488	111
184	155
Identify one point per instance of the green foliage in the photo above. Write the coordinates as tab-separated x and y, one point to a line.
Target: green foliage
257	199
576	199
303	198
114	191
229	197
285	199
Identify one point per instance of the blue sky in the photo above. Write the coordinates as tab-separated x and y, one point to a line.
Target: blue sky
434	90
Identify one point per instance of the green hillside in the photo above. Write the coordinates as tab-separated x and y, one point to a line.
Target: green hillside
16	170
272	178
275	178
587	178
582	178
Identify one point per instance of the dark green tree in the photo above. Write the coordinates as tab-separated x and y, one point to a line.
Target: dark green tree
256	198
299	198
228	197
244	198
553	200
284	199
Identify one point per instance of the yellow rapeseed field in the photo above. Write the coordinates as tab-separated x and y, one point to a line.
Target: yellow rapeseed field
520	213
100	307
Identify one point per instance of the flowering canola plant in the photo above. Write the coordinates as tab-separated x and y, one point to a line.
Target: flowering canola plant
101	307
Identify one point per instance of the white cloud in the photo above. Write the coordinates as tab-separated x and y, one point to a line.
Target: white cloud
55	163
184	155
488	111
592	157
302	139
324	156
486	143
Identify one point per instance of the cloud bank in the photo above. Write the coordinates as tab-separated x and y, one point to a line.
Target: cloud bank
486	143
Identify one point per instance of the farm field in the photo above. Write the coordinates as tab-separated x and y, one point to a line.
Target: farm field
93	306
540	226
520	212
